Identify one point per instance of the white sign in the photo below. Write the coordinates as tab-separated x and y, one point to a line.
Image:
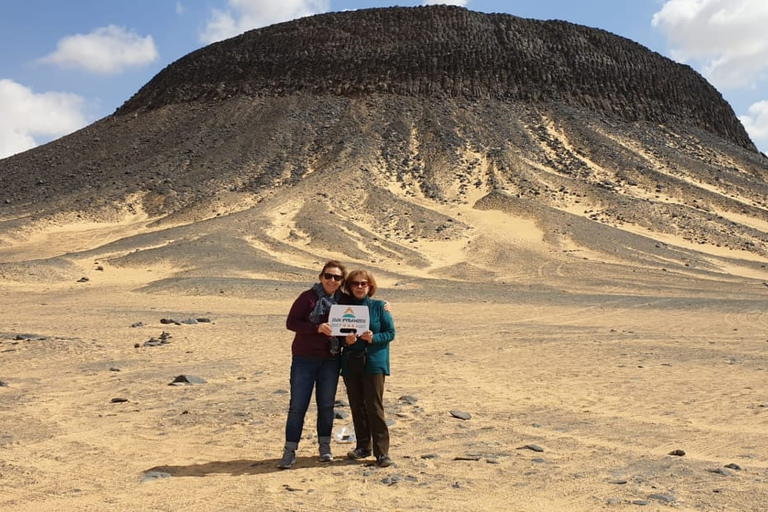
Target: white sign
348	319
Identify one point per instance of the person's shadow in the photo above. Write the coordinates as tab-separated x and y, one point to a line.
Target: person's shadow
245	467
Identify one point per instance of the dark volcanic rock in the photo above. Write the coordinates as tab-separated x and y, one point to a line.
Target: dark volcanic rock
230	153
447	51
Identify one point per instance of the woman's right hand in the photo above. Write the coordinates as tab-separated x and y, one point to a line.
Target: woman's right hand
324	329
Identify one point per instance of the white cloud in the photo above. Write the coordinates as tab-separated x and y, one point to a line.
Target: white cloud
243	15
462	3
756	123
25	115
106	50
725	39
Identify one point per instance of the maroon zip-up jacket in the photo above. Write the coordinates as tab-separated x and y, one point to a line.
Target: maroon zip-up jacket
307	341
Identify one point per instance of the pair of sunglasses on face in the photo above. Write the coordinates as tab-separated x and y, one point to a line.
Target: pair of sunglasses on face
337	277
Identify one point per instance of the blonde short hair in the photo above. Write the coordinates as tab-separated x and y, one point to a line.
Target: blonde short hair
361	275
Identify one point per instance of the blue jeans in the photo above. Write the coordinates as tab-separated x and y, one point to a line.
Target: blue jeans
308	373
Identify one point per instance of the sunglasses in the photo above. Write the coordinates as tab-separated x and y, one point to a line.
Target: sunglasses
335	277
358	284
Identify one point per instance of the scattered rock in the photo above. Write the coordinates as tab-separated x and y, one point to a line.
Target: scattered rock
183	380
137	324
30	337
733	466
410	400
533	447
664	498
720	471
430	456
118	400
113	369
340	415
461	415
3	384
391	480
154	475
473	458
156	342
83	280
677	453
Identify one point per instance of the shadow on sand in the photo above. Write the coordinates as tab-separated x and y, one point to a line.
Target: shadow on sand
246	467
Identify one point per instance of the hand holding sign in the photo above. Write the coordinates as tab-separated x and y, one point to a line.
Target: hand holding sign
348	320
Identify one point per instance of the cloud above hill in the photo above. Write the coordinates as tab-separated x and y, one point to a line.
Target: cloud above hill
243	15
27	115
726	40
107	50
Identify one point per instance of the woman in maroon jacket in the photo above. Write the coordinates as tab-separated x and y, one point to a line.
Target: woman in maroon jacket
314	364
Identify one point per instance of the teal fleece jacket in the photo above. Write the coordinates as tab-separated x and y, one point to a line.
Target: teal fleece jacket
383	328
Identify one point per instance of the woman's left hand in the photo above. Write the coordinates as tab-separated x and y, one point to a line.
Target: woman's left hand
367	336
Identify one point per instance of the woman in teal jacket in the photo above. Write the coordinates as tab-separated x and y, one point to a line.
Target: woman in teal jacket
365	379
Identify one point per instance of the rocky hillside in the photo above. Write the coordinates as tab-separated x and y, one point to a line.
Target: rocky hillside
384	135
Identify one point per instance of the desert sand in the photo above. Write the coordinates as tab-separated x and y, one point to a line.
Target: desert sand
577	393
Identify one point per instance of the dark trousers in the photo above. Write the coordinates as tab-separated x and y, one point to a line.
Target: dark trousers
366	401
308	373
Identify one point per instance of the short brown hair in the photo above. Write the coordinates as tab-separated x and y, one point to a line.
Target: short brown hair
361	275
334	264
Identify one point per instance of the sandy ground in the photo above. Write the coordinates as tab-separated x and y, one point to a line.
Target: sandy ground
578	388
605	386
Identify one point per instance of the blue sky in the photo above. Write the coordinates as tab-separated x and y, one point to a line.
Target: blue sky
66	64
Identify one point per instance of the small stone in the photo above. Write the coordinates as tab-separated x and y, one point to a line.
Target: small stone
461	415
677	453
733	466
664	498
720	471
533	447
187	379
118	400
154	475
409	399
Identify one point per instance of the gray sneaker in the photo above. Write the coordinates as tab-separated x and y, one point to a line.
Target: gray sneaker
358	453
289	458
384	461
325	452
